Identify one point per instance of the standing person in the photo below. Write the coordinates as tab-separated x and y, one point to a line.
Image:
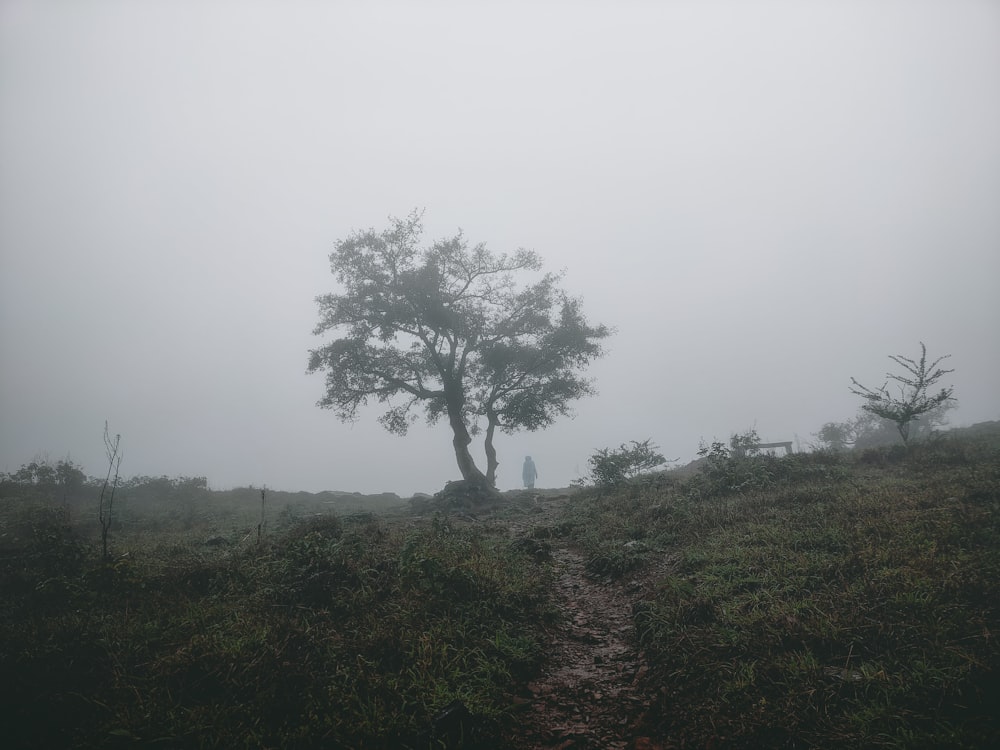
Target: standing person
529	473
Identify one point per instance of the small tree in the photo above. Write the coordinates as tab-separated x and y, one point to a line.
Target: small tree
914	398
448	328
611	468
105	505
263	518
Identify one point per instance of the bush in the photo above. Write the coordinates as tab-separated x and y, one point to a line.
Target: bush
614	467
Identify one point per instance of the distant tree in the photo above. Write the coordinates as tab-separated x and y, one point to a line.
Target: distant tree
864	430
447	327
614	467
836	436
933	419
70	477
914	399
867	430
41	481
106	503
38	473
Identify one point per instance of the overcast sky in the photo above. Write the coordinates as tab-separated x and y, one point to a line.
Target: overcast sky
763	198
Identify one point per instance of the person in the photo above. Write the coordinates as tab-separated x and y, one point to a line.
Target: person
529	473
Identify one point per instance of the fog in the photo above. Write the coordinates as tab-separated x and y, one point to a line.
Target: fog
764	199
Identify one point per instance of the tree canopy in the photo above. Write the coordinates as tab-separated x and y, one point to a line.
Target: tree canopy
447	328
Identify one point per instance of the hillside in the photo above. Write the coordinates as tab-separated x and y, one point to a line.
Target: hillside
813	601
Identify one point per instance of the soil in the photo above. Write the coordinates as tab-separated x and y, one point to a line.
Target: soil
588	693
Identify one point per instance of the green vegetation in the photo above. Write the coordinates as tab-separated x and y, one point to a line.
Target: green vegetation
346	632
821	600
818	600
614	467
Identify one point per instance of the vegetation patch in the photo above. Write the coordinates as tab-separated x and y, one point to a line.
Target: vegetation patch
822	600
348	632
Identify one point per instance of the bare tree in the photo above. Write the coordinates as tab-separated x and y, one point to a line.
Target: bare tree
913	399
107	500
263	509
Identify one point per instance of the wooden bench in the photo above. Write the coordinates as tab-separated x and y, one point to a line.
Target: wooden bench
760	447
787	446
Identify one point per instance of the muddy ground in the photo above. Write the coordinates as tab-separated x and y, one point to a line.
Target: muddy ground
588	693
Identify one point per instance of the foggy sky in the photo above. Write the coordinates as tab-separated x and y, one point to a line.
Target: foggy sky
764	199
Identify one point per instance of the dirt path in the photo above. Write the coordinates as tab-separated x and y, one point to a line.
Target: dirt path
586	695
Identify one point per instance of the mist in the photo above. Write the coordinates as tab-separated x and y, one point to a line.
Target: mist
763	200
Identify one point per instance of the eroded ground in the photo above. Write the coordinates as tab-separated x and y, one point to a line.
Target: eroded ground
587	694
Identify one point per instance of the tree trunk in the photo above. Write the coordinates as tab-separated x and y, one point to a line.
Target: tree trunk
461	441
491	455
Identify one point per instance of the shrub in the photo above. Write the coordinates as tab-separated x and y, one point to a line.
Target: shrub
614	467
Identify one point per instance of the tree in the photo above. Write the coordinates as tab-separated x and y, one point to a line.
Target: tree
448	328
105	505
70	477
913	399
837	436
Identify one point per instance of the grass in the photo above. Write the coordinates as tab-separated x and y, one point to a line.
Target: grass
814	601
338	633
841	602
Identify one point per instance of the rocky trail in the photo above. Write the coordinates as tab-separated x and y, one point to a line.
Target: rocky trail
587	694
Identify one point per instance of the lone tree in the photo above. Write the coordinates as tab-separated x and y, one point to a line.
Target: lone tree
106	503
447	328
913	399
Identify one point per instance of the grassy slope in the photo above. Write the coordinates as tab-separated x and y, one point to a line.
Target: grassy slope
829	602
816	601
339	633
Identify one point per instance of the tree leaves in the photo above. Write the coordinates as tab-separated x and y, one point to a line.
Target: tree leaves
448	327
